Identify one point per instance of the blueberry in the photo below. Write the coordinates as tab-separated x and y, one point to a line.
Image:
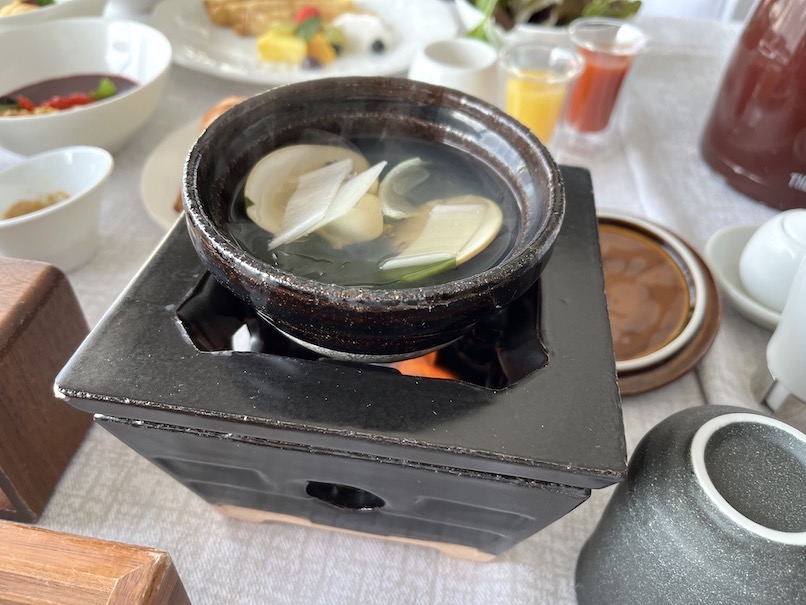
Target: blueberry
378	46
311	63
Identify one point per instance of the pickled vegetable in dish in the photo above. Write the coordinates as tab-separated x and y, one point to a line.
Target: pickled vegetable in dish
58	94
26	206
390	213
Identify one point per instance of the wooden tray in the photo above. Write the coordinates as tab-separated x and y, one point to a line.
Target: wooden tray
43	567
41	325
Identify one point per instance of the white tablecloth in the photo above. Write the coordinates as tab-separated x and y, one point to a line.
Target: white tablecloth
654	171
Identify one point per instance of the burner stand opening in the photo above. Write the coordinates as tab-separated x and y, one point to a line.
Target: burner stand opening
344	496
495	353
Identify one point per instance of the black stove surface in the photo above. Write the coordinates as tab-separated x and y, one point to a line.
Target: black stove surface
548	410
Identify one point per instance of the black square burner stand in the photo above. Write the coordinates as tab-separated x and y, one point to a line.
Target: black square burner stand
269	431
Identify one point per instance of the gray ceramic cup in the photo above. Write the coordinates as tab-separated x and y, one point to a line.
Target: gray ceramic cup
713	511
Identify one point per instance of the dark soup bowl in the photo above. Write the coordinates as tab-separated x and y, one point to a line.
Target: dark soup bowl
436	141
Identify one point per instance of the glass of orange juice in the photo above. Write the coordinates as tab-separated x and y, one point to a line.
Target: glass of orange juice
536	79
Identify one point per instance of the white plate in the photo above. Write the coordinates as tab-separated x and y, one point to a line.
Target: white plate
722	254
161	179
203	46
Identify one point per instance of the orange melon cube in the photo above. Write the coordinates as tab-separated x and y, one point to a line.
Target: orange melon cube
321	48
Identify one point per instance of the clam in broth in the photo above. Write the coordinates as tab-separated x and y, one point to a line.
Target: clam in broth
403	215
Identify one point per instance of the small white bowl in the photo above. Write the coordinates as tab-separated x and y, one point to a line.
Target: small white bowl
470	16
772	256
459	63
66	233
88	45
60	9
722	254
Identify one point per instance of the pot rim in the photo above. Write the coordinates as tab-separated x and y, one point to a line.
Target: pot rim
522	259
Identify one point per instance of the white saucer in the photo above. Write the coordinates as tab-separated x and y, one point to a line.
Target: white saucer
722	254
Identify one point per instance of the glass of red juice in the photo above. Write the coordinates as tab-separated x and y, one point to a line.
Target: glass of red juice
609	47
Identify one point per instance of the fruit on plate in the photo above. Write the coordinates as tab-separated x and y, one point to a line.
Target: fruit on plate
310	42
321	49
364	33
280	47
307	41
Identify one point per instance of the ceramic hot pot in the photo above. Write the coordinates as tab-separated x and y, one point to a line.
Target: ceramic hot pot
371	323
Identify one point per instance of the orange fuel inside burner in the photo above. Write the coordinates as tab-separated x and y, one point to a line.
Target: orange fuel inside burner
425	366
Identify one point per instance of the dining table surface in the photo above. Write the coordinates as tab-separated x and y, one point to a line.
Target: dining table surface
652	169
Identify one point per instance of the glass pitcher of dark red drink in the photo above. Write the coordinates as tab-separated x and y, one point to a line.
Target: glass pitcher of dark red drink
756	135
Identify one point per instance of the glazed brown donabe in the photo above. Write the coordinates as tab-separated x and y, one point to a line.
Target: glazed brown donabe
208	118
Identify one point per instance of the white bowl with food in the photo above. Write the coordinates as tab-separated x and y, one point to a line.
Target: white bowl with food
17	13
83	81
50	205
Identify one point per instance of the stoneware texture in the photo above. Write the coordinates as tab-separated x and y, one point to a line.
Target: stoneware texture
711	512
361	322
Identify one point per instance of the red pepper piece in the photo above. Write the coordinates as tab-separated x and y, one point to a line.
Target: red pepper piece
25	103
306	12
72	100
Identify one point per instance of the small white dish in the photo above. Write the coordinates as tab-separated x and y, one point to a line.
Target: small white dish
460	63
202	46
161	179
64	234
722	253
